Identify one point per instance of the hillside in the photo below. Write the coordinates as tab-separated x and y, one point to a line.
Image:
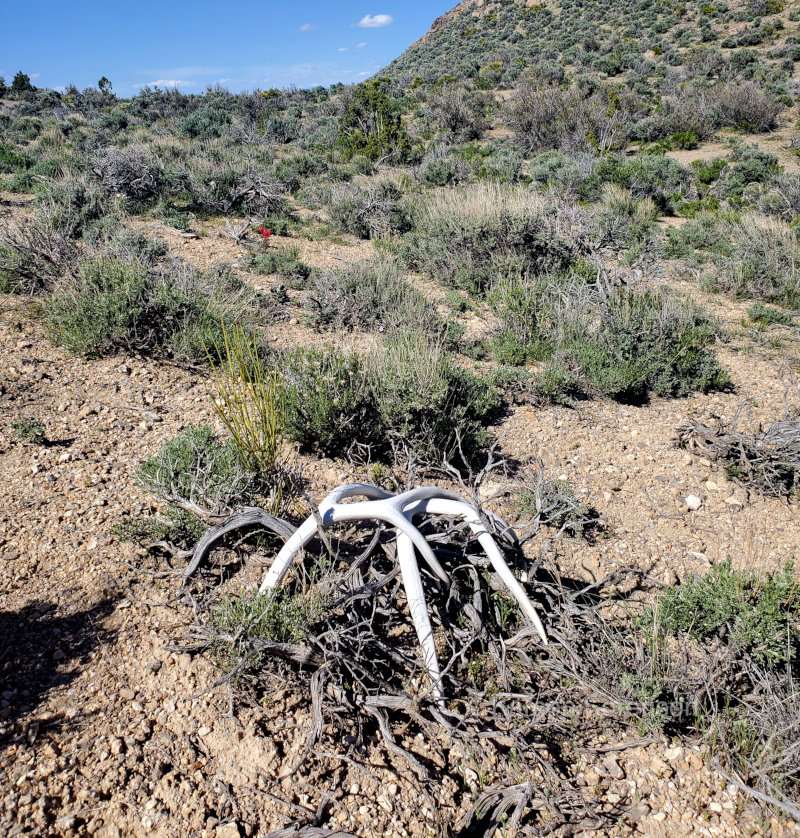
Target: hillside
635	42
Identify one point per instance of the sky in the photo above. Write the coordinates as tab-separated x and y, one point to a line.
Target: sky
242	46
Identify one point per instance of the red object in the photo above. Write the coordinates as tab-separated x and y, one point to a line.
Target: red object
265	234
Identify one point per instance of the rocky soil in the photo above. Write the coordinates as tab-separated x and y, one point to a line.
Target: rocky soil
104	731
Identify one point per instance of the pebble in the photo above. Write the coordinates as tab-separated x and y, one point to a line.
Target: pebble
693	502
613	768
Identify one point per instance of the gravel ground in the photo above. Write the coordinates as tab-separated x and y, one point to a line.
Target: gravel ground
104	731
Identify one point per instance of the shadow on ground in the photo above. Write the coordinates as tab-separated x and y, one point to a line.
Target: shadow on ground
41	649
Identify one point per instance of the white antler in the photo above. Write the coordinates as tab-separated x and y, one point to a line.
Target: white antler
399	511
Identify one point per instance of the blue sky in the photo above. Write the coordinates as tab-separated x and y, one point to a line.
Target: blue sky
267	44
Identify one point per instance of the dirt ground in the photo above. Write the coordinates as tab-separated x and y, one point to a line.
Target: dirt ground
104	731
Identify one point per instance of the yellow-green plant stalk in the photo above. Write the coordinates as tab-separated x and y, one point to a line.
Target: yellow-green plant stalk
249	398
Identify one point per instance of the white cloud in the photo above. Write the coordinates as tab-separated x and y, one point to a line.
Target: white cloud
361	45
307	27
342	49
375	21
35	75
171	83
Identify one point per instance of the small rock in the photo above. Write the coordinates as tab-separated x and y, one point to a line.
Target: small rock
385	803
660	768
613	769
228	830
153	665
127	694
637	812
66	823
58	655
693	502
715	807
673	753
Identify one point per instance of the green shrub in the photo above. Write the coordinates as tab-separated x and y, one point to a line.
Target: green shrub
371	211
768	316
29	430
558	382
250	398
758	614
371	124
114	304
468	237
625	343
177	527
408	400
764	262
124	242
98	314
199	473
705	232
277	260
206	122
244	625
622	222
12	158
368	295
430	409
441	170
329	404
649	341
554	503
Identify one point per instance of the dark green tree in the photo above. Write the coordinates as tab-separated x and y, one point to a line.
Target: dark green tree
372	125
22	83
104	85
3	88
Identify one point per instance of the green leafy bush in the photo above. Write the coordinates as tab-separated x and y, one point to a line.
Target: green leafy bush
329	403
408	399
764	263
198	473
768	316
371	211
468	237
650	342
624	343
369	294
430	409
758	614
371	124
277	260
116	304
29	430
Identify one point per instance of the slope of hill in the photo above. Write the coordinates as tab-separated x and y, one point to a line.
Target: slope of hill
494	43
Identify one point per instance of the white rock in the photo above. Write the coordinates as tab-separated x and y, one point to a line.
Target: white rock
693	502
